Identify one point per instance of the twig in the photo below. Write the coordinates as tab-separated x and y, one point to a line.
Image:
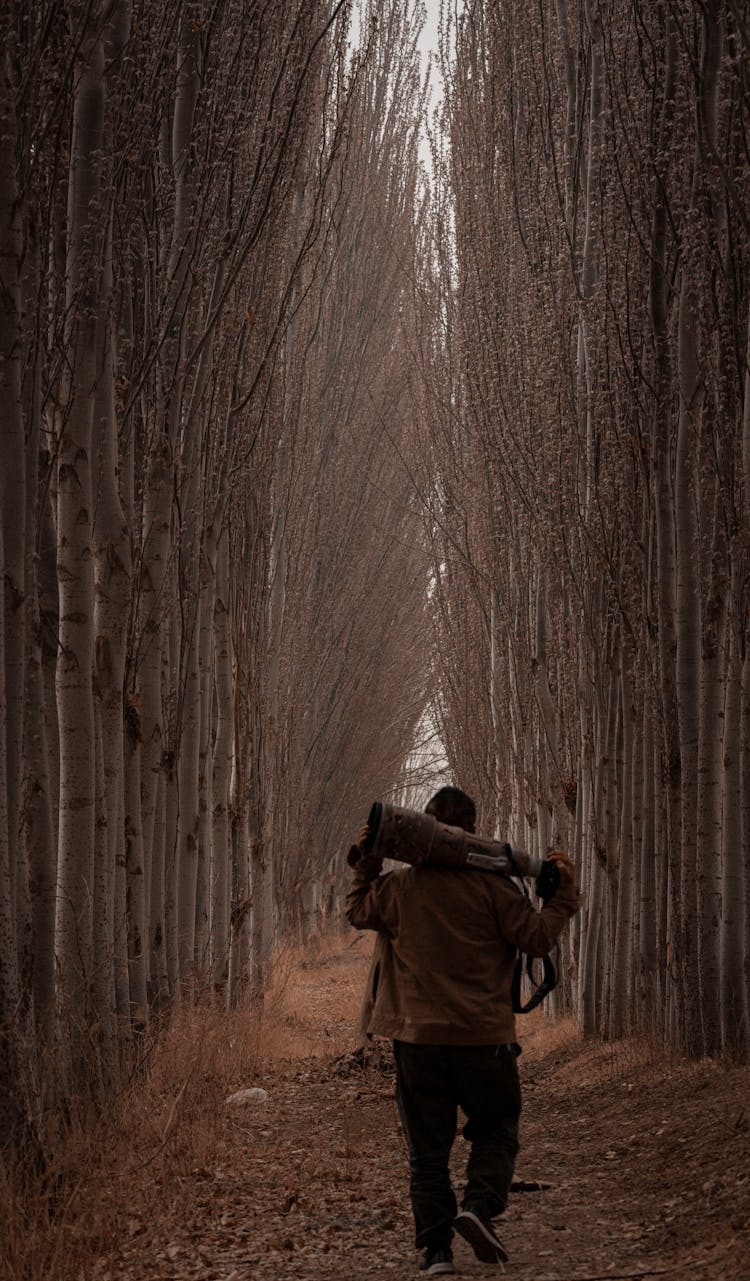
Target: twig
618	1276
167	1130
645	1272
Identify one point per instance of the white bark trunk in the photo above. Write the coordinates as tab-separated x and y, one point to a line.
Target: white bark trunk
146	697
241	919
223	751
263	922
9	1102
589	261
40	834
651	856
666	552
171	878
188	784
621	902
202	952
75	551
734	1033
158	968
744	750
137	869
14	936
112	602
104	1028
499	731
713	749
614	981
744	697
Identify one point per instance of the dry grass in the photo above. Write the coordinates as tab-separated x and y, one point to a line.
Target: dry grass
314	999
169	1119
542	1035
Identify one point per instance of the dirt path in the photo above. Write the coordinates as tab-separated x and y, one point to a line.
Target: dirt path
647	1161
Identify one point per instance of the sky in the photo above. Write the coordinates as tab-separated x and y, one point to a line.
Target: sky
428	43
428	40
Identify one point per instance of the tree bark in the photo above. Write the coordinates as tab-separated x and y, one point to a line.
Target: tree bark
75	702
222	777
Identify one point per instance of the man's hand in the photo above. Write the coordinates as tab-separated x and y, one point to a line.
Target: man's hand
365	863
370	865
564	866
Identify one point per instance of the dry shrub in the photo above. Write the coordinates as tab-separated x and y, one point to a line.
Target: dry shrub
54	1214
103	1174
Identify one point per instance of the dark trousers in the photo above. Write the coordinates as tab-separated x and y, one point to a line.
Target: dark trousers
432	1081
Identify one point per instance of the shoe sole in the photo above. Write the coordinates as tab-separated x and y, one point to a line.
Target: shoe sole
439	1269
485	1245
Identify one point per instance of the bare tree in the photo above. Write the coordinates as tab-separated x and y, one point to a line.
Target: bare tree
581	493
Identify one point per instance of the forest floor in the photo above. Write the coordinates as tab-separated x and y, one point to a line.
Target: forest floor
644	1159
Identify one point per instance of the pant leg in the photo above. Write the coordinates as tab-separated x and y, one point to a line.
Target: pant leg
428	1109
489	1092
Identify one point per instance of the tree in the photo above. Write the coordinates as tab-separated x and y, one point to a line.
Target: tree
585	538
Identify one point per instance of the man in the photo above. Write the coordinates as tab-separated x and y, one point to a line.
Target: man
441	990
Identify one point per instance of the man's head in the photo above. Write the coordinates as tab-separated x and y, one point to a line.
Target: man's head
451	805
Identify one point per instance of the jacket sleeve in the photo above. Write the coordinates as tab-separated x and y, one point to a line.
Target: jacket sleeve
530	931
368	901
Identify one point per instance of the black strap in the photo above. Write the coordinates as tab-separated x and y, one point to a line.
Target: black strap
550	980
548	983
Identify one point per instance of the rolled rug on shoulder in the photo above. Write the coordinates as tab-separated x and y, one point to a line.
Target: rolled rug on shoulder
409	836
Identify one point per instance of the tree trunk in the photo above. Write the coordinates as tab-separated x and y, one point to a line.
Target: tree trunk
734	1036
650	925
15	931
75	662
145	698
222	777
202	947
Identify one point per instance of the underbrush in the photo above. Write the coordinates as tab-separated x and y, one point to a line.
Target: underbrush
103	1171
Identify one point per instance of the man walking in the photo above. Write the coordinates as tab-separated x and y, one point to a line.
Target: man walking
441	991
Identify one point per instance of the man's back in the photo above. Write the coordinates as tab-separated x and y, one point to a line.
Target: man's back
446	957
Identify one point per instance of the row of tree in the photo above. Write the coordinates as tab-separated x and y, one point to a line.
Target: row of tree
304	464
586	354
213	588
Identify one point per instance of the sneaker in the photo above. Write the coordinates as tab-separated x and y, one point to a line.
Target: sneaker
481	1237
436	1263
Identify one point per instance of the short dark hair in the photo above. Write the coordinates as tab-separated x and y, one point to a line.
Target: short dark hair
451	805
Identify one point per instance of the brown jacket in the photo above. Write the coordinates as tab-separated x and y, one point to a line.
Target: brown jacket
446	953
